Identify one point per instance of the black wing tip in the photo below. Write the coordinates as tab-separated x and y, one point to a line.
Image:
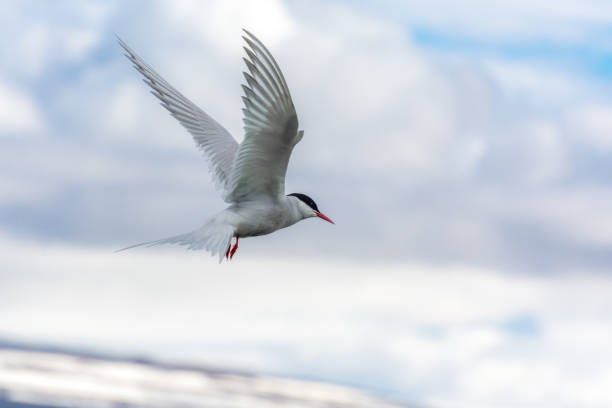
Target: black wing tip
142	244
251	35
121	42
252	40
130	54
248	34
125	249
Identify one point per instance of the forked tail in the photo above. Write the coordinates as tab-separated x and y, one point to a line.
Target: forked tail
215	237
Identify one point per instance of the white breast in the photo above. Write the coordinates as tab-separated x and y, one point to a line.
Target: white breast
261	217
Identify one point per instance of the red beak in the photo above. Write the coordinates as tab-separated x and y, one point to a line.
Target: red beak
325	217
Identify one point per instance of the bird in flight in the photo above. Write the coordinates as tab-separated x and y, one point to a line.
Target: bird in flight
251	174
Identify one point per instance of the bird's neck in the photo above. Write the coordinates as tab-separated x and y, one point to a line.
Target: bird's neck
292	209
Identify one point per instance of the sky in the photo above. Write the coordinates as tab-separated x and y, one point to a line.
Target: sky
463	150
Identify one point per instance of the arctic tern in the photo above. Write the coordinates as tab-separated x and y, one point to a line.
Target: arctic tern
251	174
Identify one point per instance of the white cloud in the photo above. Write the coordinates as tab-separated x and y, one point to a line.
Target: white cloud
543	140
403	327
580	215
18	112
542	85
565	21
38	35
591	125
221	22
20	190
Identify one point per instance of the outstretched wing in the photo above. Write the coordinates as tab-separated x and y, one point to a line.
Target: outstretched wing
270	124
210	137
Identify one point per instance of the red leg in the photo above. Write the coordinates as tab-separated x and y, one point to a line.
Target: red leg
235	248
228	250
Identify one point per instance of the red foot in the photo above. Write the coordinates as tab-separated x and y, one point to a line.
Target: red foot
234	249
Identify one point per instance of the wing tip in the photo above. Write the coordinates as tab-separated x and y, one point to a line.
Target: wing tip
251	35
122	43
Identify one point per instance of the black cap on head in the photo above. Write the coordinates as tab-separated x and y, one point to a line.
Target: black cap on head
306	200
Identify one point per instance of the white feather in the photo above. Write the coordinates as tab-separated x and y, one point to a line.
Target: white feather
270	125
215	236
211	138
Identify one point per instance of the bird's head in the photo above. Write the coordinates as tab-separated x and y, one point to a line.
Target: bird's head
307	207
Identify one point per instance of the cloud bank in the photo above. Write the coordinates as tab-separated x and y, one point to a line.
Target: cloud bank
448	337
